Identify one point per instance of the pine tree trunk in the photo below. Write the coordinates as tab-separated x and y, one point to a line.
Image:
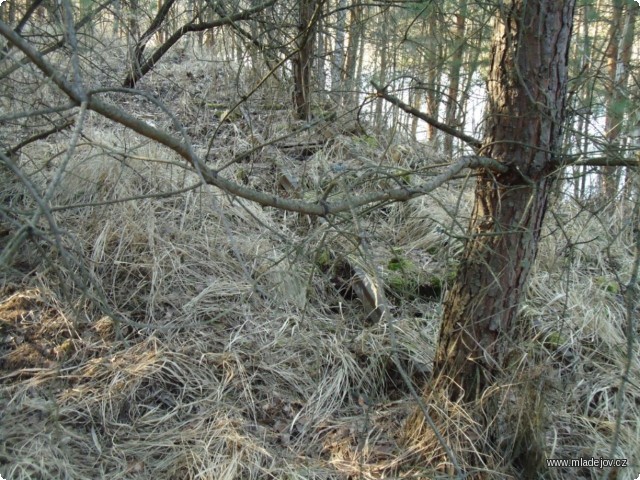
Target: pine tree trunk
454	77
337	60
610	177
351	61
302	60
527	92
433	77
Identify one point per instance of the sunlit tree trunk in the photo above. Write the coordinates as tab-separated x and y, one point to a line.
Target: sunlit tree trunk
117	13
321	77
302	60
357	78
527	94
585	96
161	31
610	178
134	19
337	60
417	101
383	46
433	86
626	48
8	12
356	29
451	107
472	65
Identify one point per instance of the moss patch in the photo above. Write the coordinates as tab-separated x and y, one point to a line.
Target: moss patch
608	285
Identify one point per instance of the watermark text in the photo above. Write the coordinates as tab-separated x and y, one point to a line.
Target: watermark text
586	462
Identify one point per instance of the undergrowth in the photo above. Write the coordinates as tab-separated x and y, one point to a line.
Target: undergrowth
199	336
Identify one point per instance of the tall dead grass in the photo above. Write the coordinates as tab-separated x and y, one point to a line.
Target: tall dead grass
202	337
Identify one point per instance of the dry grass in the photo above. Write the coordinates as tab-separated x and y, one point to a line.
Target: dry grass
229	352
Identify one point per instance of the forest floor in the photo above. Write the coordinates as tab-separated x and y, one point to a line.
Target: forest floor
200	336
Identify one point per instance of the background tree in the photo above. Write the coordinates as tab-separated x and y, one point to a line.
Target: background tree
618	54
453	98
308	15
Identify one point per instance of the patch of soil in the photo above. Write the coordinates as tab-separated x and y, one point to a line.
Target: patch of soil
30	334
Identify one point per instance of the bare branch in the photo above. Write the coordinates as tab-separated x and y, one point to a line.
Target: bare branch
115	201
39	136
25	18
381	92
52	48
211	177
145	66
608	162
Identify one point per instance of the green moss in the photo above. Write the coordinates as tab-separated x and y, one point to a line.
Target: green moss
554	340
436	282
402	285
370	141
399	264
273	106
399	284
609	286
452	267
327	115
403	277
452	273
323	258
242	176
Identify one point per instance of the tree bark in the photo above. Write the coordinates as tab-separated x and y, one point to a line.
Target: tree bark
349	75
610	177
433	59
618	59
451	106
527	93
337	58
302	60
383	55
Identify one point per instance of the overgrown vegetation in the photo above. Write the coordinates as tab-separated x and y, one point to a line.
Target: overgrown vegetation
199	335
